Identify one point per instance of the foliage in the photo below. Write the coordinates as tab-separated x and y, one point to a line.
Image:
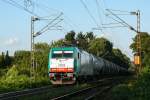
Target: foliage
70	37
90	36
22	60
57	43
138	90
100	46
5	60
82	41
2	60
12	80
121	92
103	48
20	76
120	58
145	40
41	55
3	71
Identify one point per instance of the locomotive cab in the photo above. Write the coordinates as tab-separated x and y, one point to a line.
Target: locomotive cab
61	66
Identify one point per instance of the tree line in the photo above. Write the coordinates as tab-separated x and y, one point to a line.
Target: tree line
17	69
100	47
5	60
145	48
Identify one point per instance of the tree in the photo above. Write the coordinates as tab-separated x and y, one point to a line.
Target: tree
70	37
41	58
100	46
121	59
57	43
82	41
7	59
90	36
145	48
2	60
144	42
22	61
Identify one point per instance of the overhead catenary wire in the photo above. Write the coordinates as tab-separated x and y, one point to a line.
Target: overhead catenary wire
54	25
113	26
101	7
111	23
45	7
29	3
129	26
105	4
45	28
19	6
106	27
71	22
90	14
15	4
123	11
67	23
119	14
119	22
98	7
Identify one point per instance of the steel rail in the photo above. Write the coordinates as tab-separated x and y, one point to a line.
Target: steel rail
105	89
16	94
74	93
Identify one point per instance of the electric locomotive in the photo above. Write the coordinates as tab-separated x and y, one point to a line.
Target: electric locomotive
69	64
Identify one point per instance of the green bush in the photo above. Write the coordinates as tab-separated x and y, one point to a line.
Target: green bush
15	80
121	92
140	90
3	71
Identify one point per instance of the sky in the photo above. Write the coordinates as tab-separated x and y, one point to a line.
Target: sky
78	15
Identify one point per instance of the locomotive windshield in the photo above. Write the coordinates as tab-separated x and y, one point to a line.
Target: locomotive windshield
62	54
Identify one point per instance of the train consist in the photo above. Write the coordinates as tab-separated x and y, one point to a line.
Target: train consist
70	64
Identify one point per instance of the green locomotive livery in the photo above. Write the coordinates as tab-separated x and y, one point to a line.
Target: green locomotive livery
70	64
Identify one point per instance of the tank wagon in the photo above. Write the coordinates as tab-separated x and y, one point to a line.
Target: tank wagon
70	64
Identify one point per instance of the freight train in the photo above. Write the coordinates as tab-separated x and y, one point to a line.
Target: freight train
67	65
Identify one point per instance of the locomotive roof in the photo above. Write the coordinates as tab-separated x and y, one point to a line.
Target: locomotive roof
63	48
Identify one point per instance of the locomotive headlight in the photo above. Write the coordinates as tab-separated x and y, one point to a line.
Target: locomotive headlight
51	74
70	74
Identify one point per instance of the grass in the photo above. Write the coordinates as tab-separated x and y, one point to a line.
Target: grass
134	90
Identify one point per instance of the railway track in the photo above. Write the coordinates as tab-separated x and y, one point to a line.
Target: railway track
98	92
90	92
29	93
17	94
92	89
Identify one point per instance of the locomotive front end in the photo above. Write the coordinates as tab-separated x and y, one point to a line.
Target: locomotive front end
61	66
